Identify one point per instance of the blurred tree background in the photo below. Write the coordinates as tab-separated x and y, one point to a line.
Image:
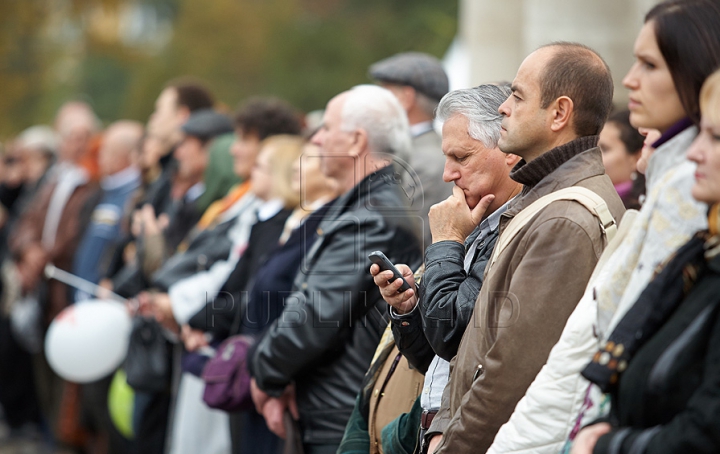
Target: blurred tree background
118	54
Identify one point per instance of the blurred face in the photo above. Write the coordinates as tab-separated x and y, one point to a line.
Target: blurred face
474	168
74	142
29	164
244	151
308	179
619	163
651	136
192	159
526	126
403	93
705	152
654	101
334	144
166	119
110	158
261	179
153	149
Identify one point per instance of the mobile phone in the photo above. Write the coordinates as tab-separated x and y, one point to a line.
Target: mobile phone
385	264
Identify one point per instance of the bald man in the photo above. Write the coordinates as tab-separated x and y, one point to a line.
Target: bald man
120	179
560	99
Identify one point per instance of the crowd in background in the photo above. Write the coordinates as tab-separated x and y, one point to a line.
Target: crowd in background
560	256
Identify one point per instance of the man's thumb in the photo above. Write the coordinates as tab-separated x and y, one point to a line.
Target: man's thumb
478	212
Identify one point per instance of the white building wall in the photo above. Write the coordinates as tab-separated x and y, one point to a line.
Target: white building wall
496	35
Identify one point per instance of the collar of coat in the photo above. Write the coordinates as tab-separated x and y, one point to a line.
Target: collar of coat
531	173
559	168
367	186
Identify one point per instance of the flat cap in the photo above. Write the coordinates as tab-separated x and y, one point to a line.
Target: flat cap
421	71
206	124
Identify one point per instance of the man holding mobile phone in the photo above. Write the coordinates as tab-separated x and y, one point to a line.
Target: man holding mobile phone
464	229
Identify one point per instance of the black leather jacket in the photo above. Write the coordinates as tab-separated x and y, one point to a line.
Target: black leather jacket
332	321
447	299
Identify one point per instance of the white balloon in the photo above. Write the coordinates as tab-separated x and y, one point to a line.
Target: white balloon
88	340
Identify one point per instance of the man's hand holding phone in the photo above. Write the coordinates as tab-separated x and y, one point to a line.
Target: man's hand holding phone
390	287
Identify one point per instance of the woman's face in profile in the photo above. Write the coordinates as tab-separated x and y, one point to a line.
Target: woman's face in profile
705	152
654	100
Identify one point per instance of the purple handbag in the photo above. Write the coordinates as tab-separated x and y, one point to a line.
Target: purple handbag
226	376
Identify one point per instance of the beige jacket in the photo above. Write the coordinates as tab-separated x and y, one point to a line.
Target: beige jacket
396	389
527	297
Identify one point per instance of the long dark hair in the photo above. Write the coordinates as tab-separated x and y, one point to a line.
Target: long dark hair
688	35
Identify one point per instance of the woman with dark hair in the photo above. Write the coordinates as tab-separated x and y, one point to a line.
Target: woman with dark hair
621	144
663	358
664	96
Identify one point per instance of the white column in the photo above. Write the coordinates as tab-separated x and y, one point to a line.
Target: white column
497	35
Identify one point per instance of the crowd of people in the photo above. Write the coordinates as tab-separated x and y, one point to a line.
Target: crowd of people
560	258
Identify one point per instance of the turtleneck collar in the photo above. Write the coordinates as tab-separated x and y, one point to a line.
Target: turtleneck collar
531	173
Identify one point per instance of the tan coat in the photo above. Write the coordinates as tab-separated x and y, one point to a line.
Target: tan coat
396	389
527	297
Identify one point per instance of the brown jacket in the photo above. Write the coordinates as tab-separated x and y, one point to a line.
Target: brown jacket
28	233
527	297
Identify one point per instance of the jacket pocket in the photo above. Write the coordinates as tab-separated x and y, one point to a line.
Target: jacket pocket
479	372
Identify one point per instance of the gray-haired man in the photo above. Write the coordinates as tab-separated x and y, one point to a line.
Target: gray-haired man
321	345
464	230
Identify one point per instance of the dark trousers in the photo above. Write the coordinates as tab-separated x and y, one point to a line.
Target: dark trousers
250	434
153	412
312	448
17	382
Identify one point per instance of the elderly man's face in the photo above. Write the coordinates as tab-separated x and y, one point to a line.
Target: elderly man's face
334	143
473	167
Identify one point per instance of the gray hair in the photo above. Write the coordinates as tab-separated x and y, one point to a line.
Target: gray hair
39	137
377	111
480	106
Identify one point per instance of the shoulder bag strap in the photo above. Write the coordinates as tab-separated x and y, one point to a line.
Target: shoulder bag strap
590	200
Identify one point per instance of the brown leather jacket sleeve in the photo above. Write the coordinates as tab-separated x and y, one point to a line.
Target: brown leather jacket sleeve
558	258
28	229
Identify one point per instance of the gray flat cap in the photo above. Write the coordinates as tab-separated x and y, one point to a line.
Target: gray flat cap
421	71
206	124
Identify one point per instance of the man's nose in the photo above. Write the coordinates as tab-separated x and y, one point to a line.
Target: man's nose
503	109
449	174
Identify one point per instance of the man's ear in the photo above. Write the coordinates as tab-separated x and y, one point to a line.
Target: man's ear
562	111
410	98
359	144
511	159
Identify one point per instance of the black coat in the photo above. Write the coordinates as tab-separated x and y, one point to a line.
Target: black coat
218	317
332	322
447	300
668	399
273	281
